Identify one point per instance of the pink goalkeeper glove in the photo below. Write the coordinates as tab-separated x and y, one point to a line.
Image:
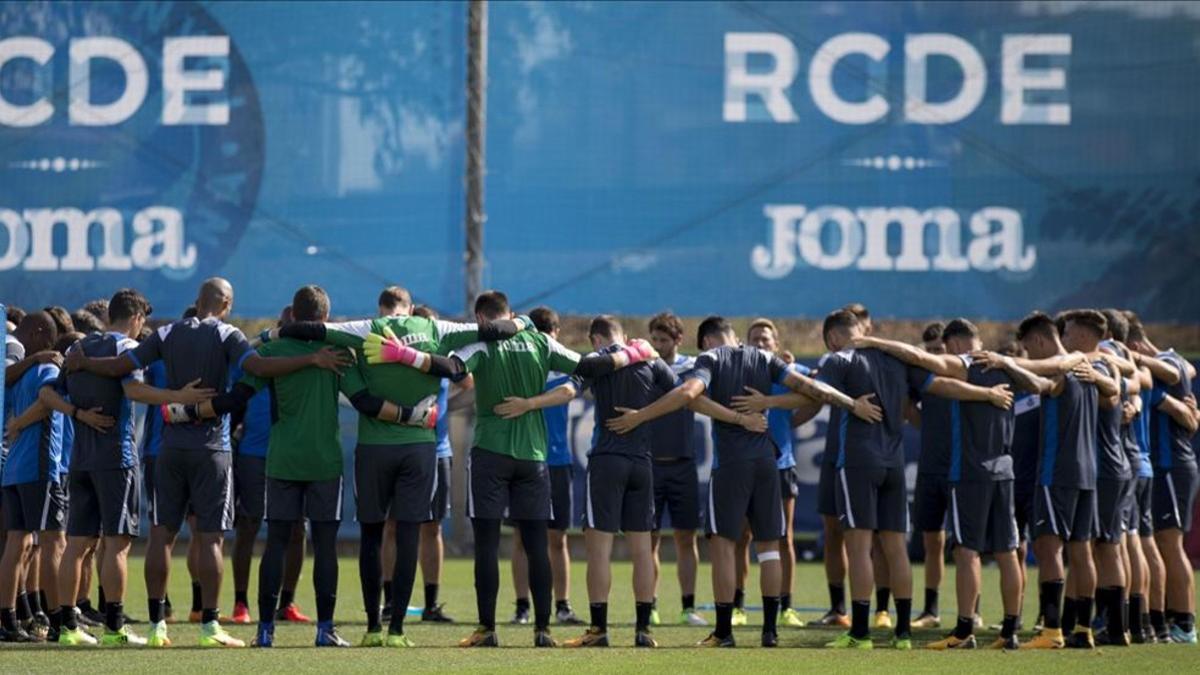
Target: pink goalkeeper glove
387	348
639	350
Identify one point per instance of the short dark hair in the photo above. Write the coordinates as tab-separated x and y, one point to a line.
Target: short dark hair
127	303
713	325
310	303
668	323
1089	318
64	341
1037	322
1118	325
190	312
491	304
544	319
99	307
394	296
83	321
605	326
959	328
840	318
425	312
933	332
61	318
859	310
1137	331
15	314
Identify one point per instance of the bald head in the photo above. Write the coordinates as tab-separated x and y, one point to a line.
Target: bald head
215	298
37	332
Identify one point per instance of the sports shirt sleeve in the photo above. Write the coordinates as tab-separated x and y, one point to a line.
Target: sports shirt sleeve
778	368
237	347
124	346
561	359
473	355
664	377
703	369
149	350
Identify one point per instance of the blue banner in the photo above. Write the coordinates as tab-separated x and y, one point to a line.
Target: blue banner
153	144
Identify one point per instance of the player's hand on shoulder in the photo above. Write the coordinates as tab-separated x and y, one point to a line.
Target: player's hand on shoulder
627	420
329	358
47	357
1000	396
989	360
752	401
865	409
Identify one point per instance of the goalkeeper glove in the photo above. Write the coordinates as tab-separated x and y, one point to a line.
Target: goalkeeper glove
387	348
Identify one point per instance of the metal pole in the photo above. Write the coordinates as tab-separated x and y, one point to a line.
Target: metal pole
477	12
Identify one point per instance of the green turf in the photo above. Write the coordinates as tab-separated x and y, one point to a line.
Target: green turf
437	650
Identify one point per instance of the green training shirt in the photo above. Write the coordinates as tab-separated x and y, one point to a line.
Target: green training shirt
305	440
514	367
394	382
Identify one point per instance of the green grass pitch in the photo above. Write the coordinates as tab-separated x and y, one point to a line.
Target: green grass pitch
436	650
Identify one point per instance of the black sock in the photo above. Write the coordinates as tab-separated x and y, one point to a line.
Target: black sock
408	537
1051	599
770	613
287	597
1009	627
153	607
369	571
931	601
1083	613
1069	615
270	568
68	617
1186	621
535	539
785	602
325	567
1103	600
642	610
35	602
210	614
24	612
239	597
431	596
689	603
599	612
837	598
859	611
1135	614
197	601
55	616
883	596
41	603
523	605
903	617
724	626
654	602
100	595
1115	609
562	605
85	605
965	627
739	598
114	616
1158	620
487	569
8	618
387	588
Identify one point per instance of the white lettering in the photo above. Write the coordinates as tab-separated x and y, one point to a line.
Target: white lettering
77	258
82	111
39	51
849	238
177	81
777	261
1017	79
770	86
163	246
1000	248
18	239
917	50
912	224
820	78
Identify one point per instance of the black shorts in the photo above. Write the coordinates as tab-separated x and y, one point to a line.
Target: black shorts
746	491
1174	497
249	487
789	483
199	479
395	481
106	502
441	493
1113	500
499	486
620	494
981	516
1065	512
931	501
294	500
872	498
34	507
562	496
1143	514
1023	508
677	494
827	490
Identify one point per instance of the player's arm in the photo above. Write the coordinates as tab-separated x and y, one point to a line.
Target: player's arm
13	373
268	367
1118	360
191	393
1105	384
754	401
1024	378
1160	369
1183	414
947	387
50	397
1051	367
31	415
862	407
453	335
104	366
349	334
754	422
354	385
677	398
515	406
945	365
